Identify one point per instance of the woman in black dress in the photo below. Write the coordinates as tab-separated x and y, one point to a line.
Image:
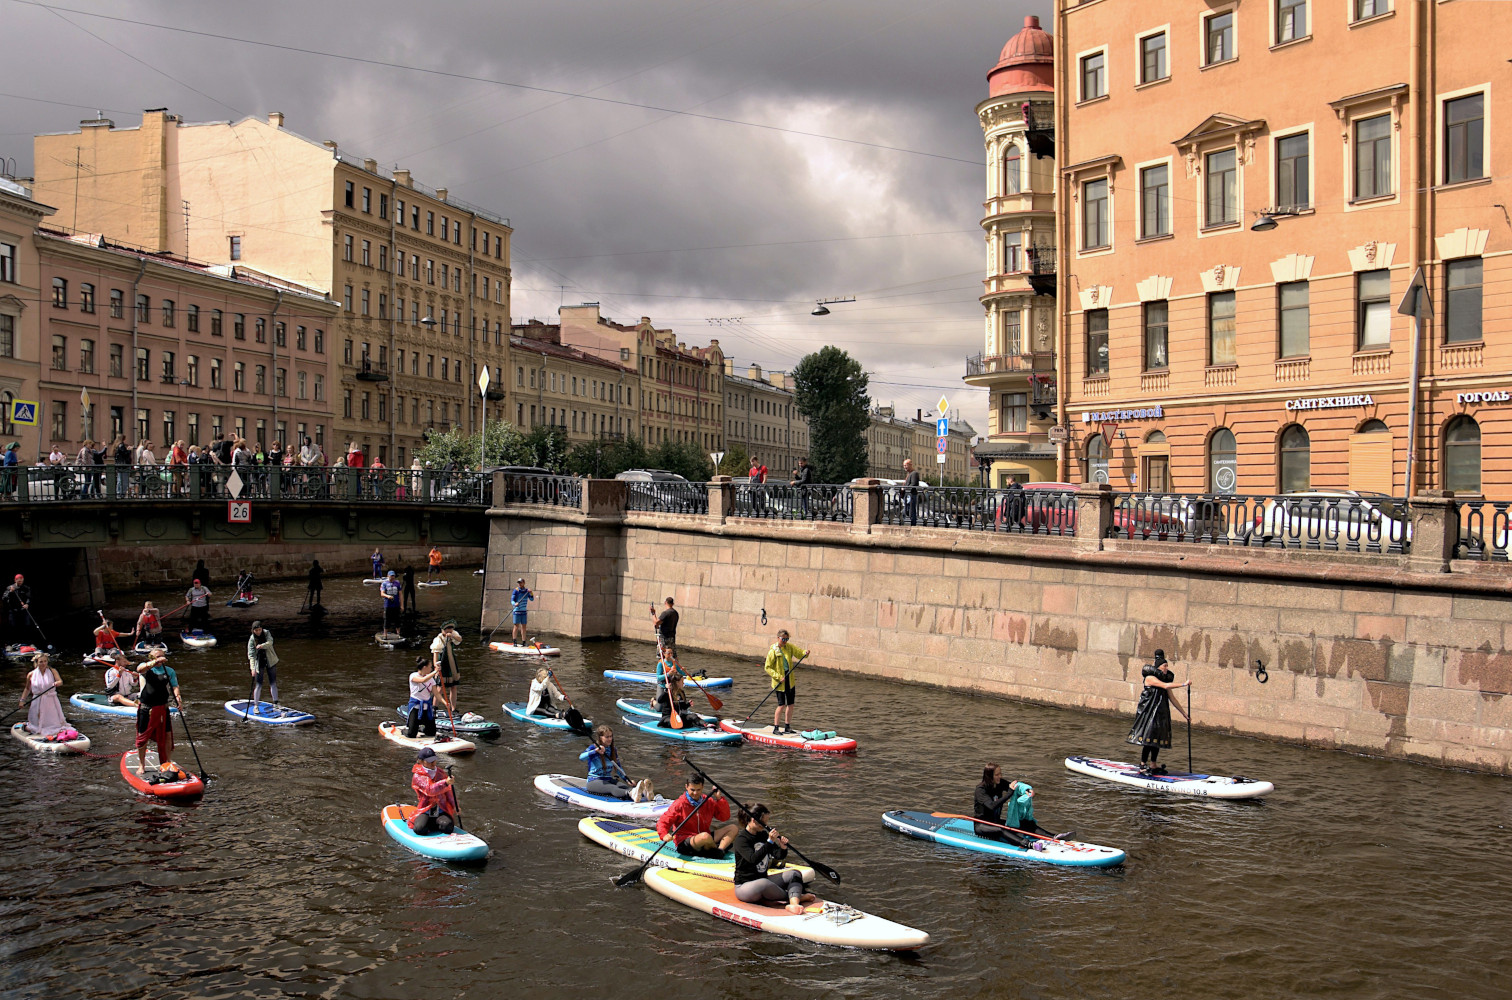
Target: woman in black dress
1152	717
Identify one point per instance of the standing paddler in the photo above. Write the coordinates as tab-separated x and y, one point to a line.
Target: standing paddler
1152	716
159	683
781	660
444	660
263	660
390	592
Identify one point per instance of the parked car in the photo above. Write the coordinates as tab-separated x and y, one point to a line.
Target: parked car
523	483
1342	520
650	476
650	489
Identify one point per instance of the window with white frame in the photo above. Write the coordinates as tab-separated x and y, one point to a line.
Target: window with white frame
1293	177
1155	201
1221	183
1372	157
1464	138
1013	166
1013	253
1373	317
1369	8
1152	58
1094	76
1096	221
1218	38
1291	20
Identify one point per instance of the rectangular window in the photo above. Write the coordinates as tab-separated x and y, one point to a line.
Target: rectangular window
445	223
1372	157
60	293
383	206
430	271
191	368
1464	138
1097	342
365	300
1013	332
1291	20
383	256
235	248
143	364
1293	190
319	388
117	303
346	297
319	341
1222	341
1295	318
168	427
367	253
59	353
169	374
367	200
1157	327
346	353
1155	201
1374	315
382	305
351	190
1370	8
191	423
8	262
430	223
300	340
1095	227
346	247
399	210
1094	76
168	312
117	361
60	420
239	376
86	356
1222	183
260	380
216	380
1013	253
216	318
1462	311
414	267
86	297
280	381
301	379
239	327
144	309
1218	38
280	333
191	318
1152	58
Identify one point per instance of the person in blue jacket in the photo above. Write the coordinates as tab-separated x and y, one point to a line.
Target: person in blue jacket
605	774
519	603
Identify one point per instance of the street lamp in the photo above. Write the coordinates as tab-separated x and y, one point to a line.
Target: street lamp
819	309
1267	219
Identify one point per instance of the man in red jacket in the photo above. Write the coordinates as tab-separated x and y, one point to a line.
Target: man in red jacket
436	808
706	830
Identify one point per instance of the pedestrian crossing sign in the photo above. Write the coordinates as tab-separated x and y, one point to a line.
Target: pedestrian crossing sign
24	411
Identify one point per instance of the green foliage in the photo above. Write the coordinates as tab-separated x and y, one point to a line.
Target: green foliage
546	446
683	458
606	459
505	446
737	461
830	390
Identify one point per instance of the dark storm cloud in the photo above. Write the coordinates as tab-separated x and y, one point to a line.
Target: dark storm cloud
590	187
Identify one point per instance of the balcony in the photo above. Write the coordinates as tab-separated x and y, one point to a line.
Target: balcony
1039	131
1041	272
1003	364
367	371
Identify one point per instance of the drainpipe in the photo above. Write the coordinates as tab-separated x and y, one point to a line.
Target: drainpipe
470	290
273	324
394	373
1415	180
135	319
1066	228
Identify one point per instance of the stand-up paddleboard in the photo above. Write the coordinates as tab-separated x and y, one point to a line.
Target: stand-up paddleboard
477	572
822	922
145	647
688	734
459	845
796	741
1209	786
961	833
389	640
440	744
643	677
517	710
22	651
242	602
101	704
641	842
373	581
519	650
197	639
645	710
431	583
91	660
566	788
78	745
468	725
189	788
269	714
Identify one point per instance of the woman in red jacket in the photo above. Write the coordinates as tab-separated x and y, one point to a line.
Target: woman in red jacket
437	803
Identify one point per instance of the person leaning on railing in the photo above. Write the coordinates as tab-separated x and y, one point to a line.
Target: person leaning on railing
803	478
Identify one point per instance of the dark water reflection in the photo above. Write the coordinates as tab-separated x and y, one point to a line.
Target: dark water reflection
1358	878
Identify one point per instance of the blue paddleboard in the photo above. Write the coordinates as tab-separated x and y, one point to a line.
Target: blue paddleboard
642	677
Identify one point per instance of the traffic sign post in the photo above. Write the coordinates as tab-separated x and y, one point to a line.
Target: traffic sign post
24	411
239	512
1109	429
483	433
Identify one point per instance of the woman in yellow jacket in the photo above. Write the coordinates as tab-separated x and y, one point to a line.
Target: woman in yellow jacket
781	660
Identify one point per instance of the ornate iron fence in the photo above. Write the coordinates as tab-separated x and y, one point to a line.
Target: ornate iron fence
974	508
781	502
541	490
1318	522
1484	530
669	497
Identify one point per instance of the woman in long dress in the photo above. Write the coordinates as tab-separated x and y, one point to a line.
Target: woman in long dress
45	717
1152	716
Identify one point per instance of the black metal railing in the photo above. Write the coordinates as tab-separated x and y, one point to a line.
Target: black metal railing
781	502
669	497
975	508
1377	524
541	490
1485	531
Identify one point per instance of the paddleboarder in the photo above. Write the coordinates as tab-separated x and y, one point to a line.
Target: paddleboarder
421	708
45	716
377	560
992	796
409	589
159	683
1152	716
149	623
606	776
444	659
121	682
757	847
263	661
781	660
105	637
316	585
519	602
389	591
433	569
542	692
198	599
18	607
435	798
699	816
665	624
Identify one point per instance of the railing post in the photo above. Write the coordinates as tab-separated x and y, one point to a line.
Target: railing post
112	482
605	497
275	483
1094	515
353	480
1434	517
721	498
866	505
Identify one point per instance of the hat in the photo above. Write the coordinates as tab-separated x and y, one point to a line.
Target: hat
1159	657
13	445
426	753
520	580
196	581
391	573
20	577
256	625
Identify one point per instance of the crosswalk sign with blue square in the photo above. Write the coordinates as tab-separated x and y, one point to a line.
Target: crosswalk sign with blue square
24	411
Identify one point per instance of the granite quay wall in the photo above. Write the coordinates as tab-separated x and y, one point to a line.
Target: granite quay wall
125	569
1397	655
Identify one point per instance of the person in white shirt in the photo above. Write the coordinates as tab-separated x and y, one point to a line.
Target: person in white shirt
120	682
444	661
422	700
542	693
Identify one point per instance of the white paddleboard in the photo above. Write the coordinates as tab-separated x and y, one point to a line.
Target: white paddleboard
568	789
49	746
1208	786
519	650
432	583
438	743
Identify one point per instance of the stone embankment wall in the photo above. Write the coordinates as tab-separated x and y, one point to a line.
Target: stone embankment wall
124	569
1391	655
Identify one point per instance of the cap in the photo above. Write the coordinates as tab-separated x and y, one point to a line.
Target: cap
391	573
426	753
20	577
257	625
196	581
520	580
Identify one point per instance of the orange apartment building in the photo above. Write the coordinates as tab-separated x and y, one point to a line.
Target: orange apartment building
1247	191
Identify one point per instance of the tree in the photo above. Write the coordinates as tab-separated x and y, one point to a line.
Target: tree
683	458
737	461
506	446
830	391
606	459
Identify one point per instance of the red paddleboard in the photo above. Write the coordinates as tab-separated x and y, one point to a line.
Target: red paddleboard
795	741
190	789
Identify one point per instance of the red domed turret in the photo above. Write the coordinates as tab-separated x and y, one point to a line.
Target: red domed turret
1027	63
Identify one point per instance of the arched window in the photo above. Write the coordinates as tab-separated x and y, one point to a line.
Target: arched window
1013	167
1296	460
1223	461
1097	459
1374	427
6	427
1156	437
1462	455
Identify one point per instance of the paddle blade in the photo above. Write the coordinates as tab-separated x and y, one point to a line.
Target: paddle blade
629	878
575	722
714	702
826	871
677	722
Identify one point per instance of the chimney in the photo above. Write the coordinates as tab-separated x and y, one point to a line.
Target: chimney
370	165
330	144
754	371
919	416
729	366
100	122
275	118
402	177
440	194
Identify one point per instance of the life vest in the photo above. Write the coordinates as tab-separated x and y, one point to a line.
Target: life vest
167	774
150	622
155	687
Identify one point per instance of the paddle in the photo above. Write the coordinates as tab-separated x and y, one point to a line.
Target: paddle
1189	726
824	870
714	702
672	717
454	798
574	718
250	695
785	675
630	878
191	742
45	641
1060	837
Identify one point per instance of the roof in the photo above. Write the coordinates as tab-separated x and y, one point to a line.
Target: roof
1027	62
554	350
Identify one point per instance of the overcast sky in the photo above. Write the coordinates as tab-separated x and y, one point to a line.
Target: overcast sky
648	212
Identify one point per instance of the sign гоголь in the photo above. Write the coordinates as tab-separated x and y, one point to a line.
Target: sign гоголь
1492	396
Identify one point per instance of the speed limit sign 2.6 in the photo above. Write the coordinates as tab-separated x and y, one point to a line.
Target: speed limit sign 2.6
239	512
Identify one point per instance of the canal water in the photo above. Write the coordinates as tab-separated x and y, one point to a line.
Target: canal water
1357	878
